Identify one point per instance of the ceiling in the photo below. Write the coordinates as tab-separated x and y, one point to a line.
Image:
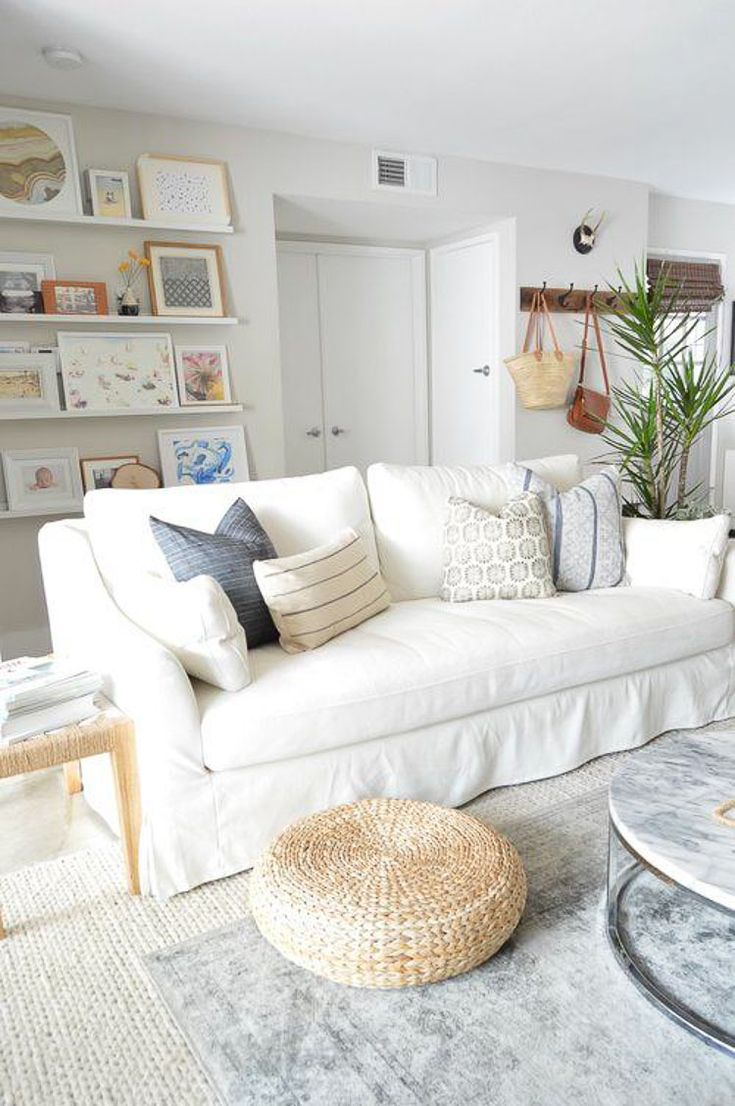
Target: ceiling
641	89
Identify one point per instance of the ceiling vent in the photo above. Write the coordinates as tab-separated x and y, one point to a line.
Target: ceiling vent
404	173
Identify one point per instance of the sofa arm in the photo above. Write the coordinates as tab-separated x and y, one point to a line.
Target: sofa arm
726	589
140	675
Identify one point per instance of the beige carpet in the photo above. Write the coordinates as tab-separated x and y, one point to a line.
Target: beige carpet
80	1022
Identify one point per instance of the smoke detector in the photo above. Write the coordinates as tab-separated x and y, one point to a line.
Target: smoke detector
59	57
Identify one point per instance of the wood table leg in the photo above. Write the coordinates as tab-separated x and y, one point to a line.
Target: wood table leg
125	772
73	777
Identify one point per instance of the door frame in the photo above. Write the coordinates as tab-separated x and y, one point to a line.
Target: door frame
420	319
503	400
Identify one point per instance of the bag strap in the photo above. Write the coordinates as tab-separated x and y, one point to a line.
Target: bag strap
590	312
531	317
547	317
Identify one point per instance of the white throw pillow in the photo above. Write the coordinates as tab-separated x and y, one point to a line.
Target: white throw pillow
504	556
195	620
688	556
317	595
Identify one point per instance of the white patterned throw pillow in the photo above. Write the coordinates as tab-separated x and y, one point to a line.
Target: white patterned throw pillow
503	556
585	527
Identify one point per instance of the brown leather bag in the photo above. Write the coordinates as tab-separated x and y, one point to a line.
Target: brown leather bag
590	409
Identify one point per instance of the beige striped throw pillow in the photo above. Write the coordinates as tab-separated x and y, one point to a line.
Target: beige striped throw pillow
315	596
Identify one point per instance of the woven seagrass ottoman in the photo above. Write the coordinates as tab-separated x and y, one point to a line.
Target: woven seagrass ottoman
388	893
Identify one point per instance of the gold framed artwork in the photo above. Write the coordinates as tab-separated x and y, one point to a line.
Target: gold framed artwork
74	297
203	375
98	472
179	189
109	193
185	279
28	383
38	163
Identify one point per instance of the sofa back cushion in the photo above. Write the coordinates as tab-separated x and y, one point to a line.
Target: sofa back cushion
297	513
409	507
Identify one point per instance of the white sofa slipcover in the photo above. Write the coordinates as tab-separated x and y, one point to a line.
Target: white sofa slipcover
427	700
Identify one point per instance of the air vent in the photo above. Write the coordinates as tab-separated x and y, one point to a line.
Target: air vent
404	172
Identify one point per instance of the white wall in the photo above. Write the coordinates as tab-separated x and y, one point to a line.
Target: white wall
546	207
696	226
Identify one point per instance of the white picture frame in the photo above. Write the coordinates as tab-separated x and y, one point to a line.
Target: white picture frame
27	139
203	371
203	455
109	193
21	276
28	384
43	481
97	472
117	372
179	189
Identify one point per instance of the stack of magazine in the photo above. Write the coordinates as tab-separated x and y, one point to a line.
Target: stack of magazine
43	693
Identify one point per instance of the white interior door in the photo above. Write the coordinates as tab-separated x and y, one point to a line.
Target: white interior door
464	351
301	370
373	331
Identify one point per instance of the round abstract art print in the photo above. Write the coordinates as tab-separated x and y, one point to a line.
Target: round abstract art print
32	167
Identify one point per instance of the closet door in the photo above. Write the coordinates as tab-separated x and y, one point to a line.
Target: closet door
373	339
298	298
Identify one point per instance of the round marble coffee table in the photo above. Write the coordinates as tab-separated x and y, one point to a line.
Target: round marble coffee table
661	820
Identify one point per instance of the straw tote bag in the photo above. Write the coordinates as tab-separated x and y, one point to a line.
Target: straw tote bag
541	377
590	409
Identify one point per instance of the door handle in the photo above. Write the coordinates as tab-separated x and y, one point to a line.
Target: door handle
337	430
485	370
315	432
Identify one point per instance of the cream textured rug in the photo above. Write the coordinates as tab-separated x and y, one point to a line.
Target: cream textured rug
80	1021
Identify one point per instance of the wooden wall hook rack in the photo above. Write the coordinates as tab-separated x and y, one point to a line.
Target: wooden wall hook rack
571	299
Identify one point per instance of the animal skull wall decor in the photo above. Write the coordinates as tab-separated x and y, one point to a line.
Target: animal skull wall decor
585	234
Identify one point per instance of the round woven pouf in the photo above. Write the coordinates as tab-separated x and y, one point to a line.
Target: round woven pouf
388	893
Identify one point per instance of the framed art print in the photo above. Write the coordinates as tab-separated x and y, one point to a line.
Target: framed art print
208	455
38	163
203	375
74	297
39	480
185	279
28	383
102	372
21	277
98	472
109	193
178	189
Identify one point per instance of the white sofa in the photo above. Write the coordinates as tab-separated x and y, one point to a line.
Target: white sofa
429	700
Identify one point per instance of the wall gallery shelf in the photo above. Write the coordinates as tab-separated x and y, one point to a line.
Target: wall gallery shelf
131	412
125	320
66	512
108	221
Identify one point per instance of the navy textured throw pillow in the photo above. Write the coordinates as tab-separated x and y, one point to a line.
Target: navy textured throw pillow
228	556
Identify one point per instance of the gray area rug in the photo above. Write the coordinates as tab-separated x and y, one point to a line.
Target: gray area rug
550	1020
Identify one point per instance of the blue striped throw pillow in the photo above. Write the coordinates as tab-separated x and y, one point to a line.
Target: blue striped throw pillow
228	556
585	527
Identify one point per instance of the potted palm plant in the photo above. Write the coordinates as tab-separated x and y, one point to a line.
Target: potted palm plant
659	415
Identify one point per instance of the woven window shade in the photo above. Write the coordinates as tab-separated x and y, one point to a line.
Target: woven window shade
697	285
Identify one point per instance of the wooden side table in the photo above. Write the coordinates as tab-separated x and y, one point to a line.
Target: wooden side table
107	732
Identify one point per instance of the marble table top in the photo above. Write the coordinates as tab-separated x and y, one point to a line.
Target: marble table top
661	803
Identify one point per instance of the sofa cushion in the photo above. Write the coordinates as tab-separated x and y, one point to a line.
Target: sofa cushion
503	556
409	508
297	513
426	661
585	526
315	596
195	620
684	555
